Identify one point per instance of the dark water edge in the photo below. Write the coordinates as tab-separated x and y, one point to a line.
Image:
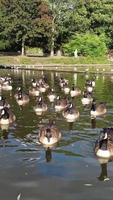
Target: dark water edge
73	170
106	69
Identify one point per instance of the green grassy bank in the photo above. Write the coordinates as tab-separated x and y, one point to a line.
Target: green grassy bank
81	64
53	60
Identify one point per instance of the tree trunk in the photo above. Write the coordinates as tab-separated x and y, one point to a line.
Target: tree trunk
52	38
23	47
52	52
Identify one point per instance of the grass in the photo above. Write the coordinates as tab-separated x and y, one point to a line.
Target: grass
83	64
53	60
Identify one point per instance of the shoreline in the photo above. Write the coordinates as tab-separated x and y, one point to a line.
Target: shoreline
77	68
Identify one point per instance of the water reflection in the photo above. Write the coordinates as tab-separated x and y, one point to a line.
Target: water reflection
93	122
75	149
71	126
48	154
104	173
4	133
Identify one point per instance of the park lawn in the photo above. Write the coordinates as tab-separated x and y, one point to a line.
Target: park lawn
18	60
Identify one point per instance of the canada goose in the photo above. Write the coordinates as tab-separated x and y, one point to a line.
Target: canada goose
71	113
6	116
66	88
21	98
42	83
3	102
40	107
91	82
51	96
60	104
34	91
104	145
33	82
6	85
42	88
86	99
89	86
75	91
63	82
98	110
49	135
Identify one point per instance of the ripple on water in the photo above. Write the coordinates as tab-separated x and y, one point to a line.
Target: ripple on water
71	166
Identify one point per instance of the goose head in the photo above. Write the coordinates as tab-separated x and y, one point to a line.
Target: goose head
48	134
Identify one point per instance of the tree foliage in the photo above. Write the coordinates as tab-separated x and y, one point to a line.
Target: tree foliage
87	45
24	20
51	23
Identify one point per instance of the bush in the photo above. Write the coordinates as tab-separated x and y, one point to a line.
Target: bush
34	51
87	45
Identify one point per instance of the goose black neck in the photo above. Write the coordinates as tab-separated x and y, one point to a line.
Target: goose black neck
103	144
93	107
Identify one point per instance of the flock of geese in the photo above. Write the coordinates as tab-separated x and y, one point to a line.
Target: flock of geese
50	134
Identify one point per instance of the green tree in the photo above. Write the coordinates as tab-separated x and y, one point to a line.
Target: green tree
87	45
24	20
101	17
60	12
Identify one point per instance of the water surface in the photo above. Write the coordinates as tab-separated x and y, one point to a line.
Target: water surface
73	171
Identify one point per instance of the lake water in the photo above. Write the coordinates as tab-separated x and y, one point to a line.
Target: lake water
73	171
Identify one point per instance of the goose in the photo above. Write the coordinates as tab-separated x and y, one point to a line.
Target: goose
40	107
62	82
33	82
71	113
86	99
75	91
42	88
3	102
89	86
60	104
66	88
49	134
104	145
51	96
6	85
34	91
21	98
91	82
98	110
42	83
6	116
